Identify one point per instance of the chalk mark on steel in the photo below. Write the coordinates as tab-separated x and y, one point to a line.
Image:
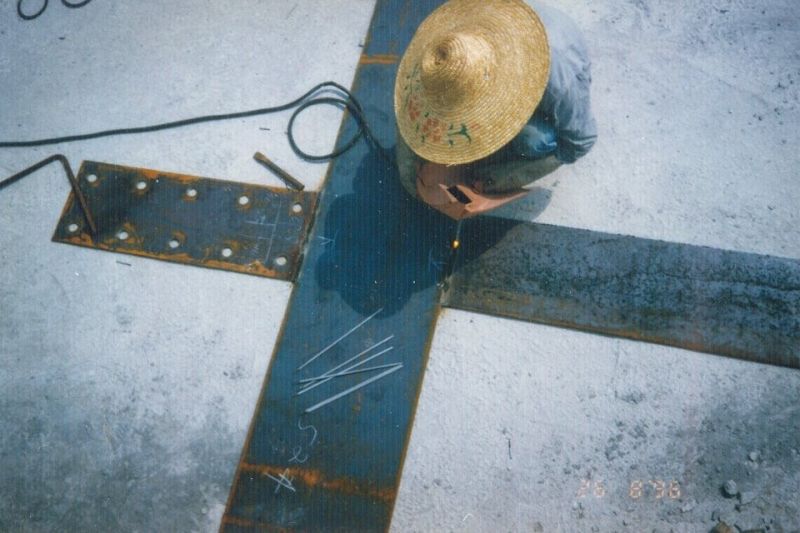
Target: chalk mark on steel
312	428
274	229
282	481
296	451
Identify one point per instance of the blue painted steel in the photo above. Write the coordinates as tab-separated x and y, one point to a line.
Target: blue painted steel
372	247
393	25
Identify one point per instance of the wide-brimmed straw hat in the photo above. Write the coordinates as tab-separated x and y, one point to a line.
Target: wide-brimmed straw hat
470	79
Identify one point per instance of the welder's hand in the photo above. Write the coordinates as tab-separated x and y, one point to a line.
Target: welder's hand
445	188
433	182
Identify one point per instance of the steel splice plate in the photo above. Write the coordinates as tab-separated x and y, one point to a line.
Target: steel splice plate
225	225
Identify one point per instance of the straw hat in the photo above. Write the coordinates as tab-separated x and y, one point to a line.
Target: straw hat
470	79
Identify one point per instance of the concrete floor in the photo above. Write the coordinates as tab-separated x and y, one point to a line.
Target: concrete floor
127	389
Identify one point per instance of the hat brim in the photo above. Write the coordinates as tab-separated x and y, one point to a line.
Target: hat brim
488	118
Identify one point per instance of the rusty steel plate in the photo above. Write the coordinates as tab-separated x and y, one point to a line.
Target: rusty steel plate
699	298
219	224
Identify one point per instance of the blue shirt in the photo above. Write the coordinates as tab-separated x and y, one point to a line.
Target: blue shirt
565	105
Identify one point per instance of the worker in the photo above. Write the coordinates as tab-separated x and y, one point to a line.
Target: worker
490	95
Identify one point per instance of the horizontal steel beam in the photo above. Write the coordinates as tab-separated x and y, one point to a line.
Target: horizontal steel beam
704	299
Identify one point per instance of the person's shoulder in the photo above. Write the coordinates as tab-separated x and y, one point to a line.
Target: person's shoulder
563	33
553	18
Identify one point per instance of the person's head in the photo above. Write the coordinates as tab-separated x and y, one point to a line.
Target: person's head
470	79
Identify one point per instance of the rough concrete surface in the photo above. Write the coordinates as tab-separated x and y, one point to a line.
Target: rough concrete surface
556	427
127	385
697	105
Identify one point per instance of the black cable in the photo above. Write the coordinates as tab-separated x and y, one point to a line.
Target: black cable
348	102
75	4
354	108
350	105
23	16
303	102
67	3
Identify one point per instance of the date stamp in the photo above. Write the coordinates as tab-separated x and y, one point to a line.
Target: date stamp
638	489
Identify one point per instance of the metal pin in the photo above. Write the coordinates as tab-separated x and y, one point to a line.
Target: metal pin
290	182
340	365
334	343
328	378
347	372
356	356
354	388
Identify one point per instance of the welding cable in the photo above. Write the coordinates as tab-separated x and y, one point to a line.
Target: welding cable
23	16
354	108
75	5
347	101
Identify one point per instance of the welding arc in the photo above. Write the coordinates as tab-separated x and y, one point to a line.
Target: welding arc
347	101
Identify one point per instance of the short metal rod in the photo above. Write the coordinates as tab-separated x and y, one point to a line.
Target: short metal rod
334	343
328	376
72	181
346	373
290	182
354	388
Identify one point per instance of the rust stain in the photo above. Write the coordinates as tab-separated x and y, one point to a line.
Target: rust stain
378	59
185	179
316	480
154	175
79	240
254	268
180	257
114	243
235	246
244	522
179	236
147	173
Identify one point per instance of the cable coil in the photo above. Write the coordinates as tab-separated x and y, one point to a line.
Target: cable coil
348	101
